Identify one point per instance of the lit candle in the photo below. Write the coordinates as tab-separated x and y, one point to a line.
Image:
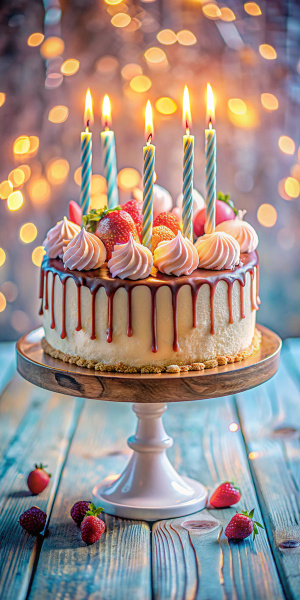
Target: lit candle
86	156
148	178
210	164
188	169
109	156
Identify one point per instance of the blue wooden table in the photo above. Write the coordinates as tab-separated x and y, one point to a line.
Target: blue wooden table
82	441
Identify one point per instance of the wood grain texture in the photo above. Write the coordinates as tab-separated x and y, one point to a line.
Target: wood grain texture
270	416
118	566
37	426
189	564
54	374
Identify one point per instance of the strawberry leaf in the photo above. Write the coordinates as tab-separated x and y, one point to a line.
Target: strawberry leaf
251	514
91	219
259	524
93	510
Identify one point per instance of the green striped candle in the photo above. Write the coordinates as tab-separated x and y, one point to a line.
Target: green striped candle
109	156
86	157
210	165
188	170
148	179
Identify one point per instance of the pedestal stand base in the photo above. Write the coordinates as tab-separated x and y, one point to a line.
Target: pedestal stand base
149	488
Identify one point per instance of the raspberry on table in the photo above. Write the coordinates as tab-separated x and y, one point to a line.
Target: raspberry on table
33	520
79	510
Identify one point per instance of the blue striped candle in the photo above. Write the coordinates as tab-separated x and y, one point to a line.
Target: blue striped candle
148	179
188	170
210	166
86	157
109	156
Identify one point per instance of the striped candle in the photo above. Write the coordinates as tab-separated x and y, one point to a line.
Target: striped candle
86	157
188	170
210	166
148	179
109	156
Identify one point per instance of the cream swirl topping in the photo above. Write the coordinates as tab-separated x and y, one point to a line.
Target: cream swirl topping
242	232
59	236
86	251
217	250
176	257
130	260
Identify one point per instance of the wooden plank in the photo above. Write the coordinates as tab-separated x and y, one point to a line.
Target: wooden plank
270	416
187	564
7	363
118	566
44	424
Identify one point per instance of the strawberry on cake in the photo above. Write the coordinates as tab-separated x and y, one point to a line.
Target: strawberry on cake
111	304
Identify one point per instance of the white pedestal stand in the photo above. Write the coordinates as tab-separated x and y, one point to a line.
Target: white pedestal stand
149	487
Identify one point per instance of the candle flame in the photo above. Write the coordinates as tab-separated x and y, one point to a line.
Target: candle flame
88	111
106	112
149	130
210	106
186	110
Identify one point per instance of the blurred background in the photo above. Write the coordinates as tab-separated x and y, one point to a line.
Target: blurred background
134	50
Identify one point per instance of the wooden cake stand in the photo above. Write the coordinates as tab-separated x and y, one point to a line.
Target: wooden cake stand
149	487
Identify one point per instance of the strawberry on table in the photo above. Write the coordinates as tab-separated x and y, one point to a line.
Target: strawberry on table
134	208
225	495
168	220
79	510
92	527
242	525
38	479
160	233
112	226
33	520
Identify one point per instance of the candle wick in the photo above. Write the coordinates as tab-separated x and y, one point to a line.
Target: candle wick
187	129
106	127
210	123
149	139
87	126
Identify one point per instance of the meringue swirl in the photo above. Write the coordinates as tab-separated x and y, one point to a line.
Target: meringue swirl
131	260
176	257
59	236
242	232
217	250
86	251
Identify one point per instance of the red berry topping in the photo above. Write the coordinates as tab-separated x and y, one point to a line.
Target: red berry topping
79	510
225	495
38	479
134	208
92	527
168	220
225	211
242	525
111	226
139	229
33	520
160	233
75	212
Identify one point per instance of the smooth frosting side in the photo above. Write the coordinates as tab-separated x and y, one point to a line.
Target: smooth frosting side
59	236
130	261
86	251
217	250
242	232
176	257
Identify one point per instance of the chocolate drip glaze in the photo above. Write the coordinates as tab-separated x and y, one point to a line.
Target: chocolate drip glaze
97	278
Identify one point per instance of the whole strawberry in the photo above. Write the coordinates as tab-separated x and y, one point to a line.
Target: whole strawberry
242	525
160	233
225	495
38	479
168	220
111	226
79	510
92	527
33	520
134	208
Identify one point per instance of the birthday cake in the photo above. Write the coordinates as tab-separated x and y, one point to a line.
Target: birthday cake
112	304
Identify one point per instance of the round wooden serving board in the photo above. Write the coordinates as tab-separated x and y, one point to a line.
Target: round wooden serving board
55	375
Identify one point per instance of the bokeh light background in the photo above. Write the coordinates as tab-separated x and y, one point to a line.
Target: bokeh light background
135	50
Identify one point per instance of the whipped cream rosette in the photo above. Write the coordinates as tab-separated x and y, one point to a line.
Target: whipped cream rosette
176	257
130	261
59	236
242	232
217	250
85	252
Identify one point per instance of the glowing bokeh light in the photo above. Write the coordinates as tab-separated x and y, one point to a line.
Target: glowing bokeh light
267	215
166	106
286	144
2	302
227	14
98	184
295	171
267	52
57	170
281	190
186	38
77	176
35	39
211	11
253	455
120	20
248	120
131	70
107	65
21	145
252	9
37	255
98	201
292	187
167	37
28	233
15	200
52	46
58	114
34	143
17	177
6	188
2	257
113	2
9	290
70	66
140	83
26	170
128	179
237	106
2	98
39	190
233	427
269	101
155	55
